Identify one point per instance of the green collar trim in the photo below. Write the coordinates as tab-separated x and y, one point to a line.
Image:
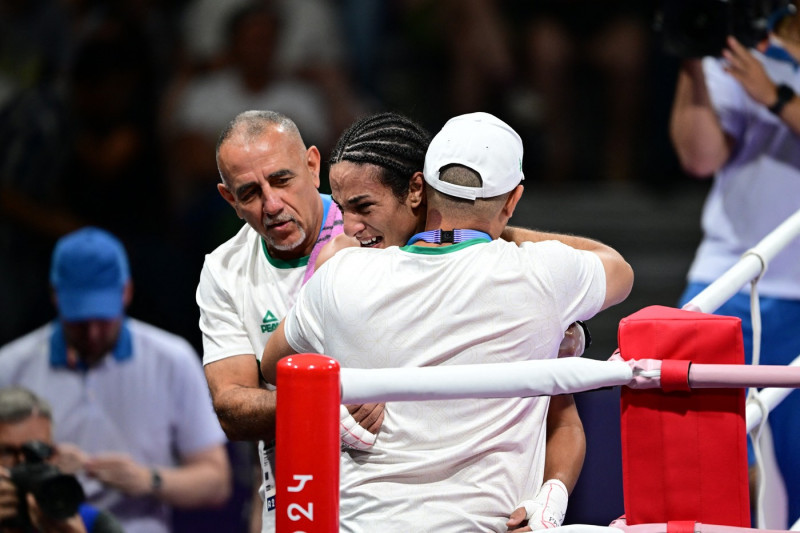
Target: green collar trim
441	250
280	263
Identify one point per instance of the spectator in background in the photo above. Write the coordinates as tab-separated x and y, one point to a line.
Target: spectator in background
565	72
131	409
310	46
582	58
113	102
398	47
737	118
250	79
35	47
481	66
26	419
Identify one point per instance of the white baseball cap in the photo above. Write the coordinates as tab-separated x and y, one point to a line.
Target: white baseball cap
485	144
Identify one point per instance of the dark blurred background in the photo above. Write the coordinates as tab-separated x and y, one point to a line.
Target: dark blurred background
109	111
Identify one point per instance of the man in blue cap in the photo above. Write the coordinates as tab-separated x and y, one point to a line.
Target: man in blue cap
131	409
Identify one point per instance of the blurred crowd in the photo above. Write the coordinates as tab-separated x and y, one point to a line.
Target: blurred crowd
110	111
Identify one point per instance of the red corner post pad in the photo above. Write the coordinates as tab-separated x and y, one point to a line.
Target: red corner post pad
684	453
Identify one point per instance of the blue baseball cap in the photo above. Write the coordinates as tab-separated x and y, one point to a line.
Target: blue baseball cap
89	271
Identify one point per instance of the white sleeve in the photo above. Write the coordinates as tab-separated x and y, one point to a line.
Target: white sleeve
577	280
305	321
224	334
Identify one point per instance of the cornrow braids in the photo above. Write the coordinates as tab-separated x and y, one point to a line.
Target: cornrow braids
388	140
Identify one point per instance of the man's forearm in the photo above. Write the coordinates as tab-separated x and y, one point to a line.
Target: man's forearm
245	410
246	413
519	235
695	131
566	442
203	480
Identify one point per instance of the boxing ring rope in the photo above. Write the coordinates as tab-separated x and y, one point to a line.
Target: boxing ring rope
308	446
770	397
749	267
548	378
307	469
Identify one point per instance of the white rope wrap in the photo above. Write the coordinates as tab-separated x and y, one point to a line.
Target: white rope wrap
492	380
547	509
353	435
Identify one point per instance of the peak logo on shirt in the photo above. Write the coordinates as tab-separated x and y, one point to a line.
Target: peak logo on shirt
269	323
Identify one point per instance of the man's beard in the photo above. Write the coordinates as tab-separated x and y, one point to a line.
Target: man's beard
283	246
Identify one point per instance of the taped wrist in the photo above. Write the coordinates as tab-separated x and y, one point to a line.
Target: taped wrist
547	509
352	434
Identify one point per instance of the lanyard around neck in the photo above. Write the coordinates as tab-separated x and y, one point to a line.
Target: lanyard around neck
438	236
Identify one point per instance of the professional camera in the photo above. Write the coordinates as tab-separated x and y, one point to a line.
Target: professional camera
58	495
697	28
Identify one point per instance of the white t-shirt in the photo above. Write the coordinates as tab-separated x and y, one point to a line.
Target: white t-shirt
459	465
759	186
149	398
243	295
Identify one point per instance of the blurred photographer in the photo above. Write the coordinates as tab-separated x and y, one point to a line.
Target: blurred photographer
25	442
736	117
130	398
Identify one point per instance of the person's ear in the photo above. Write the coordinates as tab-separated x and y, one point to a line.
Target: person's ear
228	196
416	190
314	162
512	201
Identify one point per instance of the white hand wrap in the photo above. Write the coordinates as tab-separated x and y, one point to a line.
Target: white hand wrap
547	509
353	435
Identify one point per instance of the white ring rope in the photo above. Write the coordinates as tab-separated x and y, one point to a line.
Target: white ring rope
548	378
751	265
498	380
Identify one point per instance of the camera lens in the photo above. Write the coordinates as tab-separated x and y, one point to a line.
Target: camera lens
59	496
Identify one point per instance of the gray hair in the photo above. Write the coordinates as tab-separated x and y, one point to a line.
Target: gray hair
251	124
18	404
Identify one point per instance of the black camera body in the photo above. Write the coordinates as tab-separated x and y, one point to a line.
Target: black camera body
58	495
698	28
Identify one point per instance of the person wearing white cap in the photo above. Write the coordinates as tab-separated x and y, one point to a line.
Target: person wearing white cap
376	179
455	294
132	415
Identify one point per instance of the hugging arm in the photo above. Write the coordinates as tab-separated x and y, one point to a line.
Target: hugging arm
619	274
564	455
